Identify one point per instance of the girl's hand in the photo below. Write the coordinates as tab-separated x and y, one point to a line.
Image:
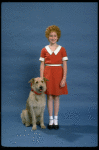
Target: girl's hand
62	84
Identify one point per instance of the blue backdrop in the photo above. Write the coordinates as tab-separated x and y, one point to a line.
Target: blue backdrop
23	28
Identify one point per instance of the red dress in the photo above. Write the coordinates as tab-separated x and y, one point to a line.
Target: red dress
54	73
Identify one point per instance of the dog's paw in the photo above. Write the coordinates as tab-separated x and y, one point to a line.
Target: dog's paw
34	128
27	124
43	126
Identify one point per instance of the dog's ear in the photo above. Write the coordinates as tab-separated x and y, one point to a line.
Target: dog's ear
32	81
45	79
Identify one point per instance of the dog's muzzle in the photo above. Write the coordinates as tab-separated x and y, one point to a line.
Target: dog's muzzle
41	88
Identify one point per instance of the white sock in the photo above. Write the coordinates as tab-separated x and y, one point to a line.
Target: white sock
50	120
55	120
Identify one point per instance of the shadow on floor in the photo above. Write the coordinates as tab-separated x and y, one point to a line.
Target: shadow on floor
71	133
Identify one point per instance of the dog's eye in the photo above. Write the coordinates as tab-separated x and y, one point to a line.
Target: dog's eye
42	81
36	81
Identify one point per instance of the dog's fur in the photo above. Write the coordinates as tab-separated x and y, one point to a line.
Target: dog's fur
34	112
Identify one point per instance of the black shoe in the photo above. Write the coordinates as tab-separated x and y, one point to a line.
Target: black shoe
56	127
50	126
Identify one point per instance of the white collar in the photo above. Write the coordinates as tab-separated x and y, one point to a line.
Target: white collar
50	51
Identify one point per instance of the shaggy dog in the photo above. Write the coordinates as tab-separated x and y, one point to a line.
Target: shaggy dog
34	112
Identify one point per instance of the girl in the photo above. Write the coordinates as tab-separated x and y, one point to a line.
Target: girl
52	57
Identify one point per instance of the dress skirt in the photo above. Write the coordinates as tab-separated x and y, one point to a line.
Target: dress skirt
54	74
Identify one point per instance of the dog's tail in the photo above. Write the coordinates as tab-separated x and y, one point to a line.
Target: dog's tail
23	116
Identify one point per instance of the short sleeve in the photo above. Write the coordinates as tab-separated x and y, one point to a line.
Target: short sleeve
42	55
64	54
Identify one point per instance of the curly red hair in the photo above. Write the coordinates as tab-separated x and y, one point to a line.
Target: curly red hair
53	28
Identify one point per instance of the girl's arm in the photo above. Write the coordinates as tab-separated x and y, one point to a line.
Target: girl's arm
64	69
62	84
41	69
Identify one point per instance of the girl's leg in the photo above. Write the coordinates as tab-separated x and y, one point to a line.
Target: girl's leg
56	105
50	104
50	110
56	110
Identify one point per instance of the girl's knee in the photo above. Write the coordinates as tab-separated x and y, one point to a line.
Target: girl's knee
50	97
56	98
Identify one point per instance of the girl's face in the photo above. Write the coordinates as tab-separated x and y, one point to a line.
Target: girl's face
53	37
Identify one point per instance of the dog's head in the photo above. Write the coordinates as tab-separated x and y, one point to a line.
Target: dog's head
38	84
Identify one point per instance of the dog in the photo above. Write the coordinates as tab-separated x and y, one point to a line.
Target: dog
34	112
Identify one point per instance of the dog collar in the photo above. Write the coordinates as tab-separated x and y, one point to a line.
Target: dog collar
35	91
